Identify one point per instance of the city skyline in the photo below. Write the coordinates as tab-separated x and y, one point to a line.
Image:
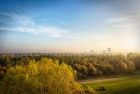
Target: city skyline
69	25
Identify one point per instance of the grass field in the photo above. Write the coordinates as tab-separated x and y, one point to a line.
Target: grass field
121	85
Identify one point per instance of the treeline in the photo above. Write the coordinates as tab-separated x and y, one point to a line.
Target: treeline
92	66
86	66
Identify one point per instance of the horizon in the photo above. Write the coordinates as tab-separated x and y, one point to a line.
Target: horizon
73	26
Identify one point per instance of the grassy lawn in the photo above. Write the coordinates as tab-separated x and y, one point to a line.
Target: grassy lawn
122	85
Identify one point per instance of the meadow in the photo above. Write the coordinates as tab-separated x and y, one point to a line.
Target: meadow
119	85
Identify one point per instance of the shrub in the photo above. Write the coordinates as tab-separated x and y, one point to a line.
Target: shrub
89	90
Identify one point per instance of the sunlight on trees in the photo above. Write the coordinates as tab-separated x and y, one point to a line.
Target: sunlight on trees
44	77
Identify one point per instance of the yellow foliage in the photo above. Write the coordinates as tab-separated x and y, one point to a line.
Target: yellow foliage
44	77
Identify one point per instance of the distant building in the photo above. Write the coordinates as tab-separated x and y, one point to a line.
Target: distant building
109	50
91	52
104	51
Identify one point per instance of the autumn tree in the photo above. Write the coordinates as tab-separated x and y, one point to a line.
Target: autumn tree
43	77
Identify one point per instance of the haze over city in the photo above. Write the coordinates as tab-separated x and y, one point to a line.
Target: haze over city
69	25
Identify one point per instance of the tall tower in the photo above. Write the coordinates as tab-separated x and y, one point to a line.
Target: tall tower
109	50
104	52
91	52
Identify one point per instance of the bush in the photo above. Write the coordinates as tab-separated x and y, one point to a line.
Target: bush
89	90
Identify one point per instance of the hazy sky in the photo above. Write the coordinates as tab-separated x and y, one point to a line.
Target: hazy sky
69	25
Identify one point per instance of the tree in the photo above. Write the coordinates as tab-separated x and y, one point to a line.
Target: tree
131	67
44	77
91	70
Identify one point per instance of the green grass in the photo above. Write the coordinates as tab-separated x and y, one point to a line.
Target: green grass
123	85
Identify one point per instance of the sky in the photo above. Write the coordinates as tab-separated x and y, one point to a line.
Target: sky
69	25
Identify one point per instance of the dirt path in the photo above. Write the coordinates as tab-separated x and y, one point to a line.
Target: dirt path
107	79
100	80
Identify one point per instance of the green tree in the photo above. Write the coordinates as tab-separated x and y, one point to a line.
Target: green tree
131	67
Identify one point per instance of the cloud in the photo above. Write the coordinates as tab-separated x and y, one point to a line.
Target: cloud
131	9
121	25
40	30
26	24
114	20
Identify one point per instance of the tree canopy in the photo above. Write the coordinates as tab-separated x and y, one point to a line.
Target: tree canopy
46	76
